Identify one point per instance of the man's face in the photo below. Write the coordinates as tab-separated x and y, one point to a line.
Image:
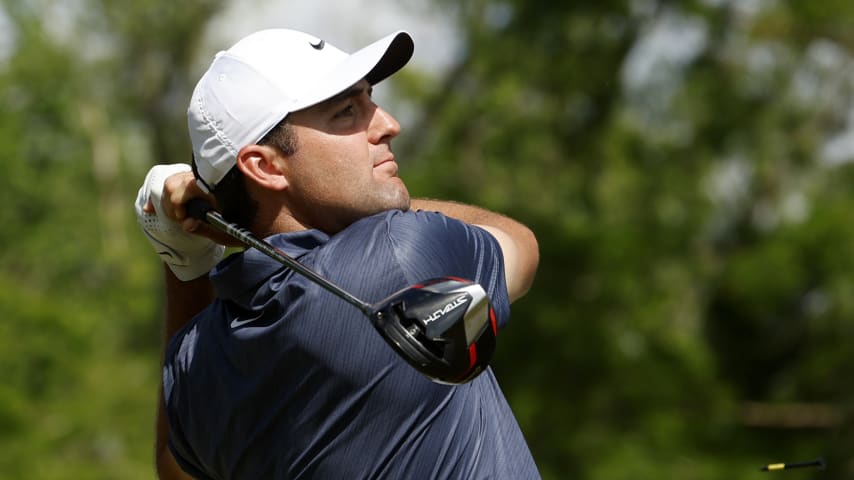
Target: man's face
343	168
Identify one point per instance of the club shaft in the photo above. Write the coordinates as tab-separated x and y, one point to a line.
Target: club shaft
203	211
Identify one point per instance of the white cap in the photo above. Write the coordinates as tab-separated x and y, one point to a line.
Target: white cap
252	86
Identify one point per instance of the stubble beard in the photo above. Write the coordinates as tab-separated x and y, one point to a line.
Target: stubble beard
336	218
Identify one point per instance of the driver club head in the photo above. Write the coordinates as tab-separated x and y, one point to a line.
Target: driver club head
445	328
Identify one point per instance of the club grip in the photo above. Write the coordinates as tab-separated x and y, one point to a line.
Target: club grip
198	209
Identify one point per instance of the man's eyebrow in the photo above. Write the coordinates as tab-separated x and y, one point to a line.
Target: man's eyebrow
353	91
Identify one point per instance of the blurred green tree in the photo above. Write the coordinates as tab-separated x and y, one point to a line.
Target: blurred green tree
93	94
684	165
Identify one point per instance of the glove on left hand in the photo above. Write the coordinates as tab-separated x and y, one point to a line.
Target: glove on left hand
189	256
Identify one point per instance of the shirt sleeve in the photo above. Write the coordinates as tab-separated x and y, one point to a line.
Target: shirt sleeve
428	245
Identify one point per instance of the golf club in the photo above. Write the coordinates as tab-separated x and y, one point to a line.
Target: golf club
445	327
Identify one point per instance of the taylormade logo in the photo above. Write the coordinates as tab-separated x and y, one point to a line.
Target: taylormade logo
461	300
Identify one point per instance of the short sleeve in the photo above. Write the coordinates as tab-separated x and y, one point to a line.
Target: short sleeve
428	245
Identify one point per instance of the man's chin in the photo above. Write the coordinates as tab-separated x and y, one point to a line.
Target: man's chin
399	198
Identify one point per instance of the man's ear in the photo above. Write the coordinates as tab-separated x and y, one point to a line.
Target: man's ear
261	164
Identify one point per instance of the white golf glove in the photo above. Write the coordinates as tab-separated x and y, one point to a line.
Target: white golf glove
189	256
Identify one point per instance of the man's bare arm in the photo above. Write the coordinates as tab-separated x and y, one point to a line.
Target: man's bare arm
518	244
183	301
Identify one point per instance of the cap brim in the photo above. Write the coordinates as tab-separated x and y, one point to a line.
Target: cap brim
375	63
398	51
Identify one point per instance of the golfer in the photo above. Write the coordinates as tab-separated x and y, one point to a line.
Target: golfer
267	375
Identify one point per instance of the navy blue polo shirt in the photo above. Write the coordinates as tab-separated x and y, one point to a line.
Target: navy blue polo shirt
279	379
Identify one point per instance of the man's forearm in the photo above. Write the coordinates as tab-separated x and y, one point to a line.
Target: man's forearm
463	212
183	301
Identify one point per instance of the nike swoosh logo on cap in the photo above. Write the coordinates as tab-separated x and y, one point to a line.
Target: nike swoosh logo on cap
319	45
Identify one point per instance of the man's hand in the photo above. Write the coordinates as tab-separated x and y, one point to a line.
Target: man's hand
159	209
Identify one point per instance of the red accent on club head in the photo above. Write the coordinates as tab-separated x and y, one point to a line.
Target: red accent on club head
493	321
440	280
472	362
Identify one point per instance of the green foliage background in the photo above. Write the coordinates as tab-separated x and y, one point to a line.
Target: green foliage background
695	303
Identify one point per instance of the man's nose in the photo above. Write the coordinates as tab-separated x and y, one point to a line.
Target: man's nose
383	125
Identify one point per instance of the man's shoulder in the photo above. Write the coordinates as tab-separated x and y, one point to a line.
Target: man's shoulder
421	230
392	222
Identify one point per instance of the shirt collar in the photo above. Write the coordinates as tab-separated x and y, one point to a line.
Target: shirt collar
243	272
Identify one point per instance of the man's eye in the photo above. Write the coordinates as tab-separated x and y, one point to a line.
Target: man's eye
345	112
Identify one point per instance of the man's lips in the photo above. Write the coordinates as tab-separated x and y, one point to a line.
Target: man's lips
387	159
388	165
